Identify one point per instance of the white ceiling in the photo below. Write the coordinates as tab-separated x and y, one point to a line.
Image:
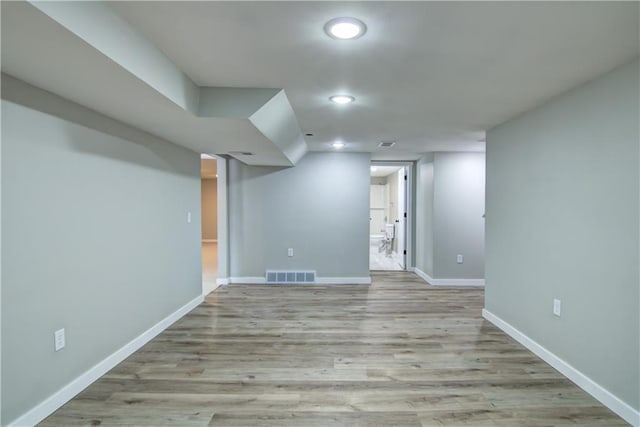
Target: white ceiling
433	76
384	170
429	75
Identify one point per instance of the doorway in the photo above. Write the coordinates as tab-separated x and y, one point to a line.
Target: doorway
209	217
388	217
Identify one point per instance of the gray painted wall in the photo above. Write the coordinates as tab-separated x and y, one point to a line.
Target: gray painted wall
95	239
320	208
449	209
458	193
562	222
424	214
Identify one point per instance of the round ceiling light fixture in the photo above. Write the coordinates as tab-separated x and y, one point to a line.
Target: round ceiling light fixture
345	28
338	145
342	99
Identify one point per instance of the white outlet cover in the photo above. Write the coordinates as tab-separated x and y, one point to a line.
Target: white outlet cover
290	251
59	339
189	217
460	259
557	307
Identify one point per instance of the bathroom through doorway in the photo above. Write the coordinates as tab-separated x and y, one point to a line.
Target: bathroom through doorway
388	217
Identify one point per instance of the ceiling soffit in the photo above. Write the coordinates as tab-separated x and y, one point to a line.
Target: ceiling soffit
267	109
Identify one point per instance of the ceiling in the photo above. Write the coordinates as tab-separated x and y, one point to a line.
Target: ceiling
381	171
432	76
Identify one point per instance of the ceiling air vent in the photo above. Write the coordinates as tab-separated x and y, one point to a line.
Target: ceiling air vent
387	144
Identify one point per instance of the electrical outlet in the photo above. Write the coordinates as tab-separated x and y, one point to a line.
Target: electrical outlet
290	251
59	339
188	217
460	259
557	306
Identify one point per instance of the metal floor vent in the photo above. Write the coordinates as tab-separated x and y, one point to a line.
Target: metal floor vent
293	277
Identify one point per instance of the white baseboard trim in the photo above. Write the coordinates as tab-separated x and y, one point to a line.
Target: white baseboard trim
343	280
66	393
421	274
222	282
248	280
319	280
209	240
446	282
605	397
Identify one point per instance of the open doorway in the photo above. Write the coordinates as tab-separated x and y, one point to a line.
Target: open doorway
209	216
388	217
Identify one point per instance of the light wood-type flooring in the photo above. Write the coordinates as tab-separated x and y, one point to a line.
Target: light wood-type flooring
396	353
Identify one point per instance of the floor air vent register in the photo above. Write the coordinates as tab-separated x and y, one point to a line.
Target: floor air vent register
290	277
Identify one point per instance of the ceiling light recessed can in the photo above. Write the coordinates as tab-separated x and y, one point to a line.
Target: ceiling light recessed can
345	28
342	99
338	145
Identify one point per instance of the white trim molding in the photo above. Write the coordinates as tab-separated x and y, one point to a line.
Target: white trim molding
446	282
66	393
222	282
319	281
605	397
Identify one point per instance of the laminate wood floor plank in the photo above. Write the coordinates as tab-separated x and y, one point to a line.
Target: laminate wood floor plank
396	353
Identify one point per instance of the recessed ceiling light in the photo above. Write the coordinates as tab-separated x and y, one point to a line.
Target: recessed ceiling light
342	99
338	145
345	28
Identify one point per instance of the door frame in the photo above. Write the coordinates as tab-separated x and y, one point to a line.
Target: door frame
408	200
223	228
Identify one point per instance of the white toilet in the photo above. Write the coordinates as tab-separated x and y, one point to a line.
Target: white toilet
376	239
389	231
